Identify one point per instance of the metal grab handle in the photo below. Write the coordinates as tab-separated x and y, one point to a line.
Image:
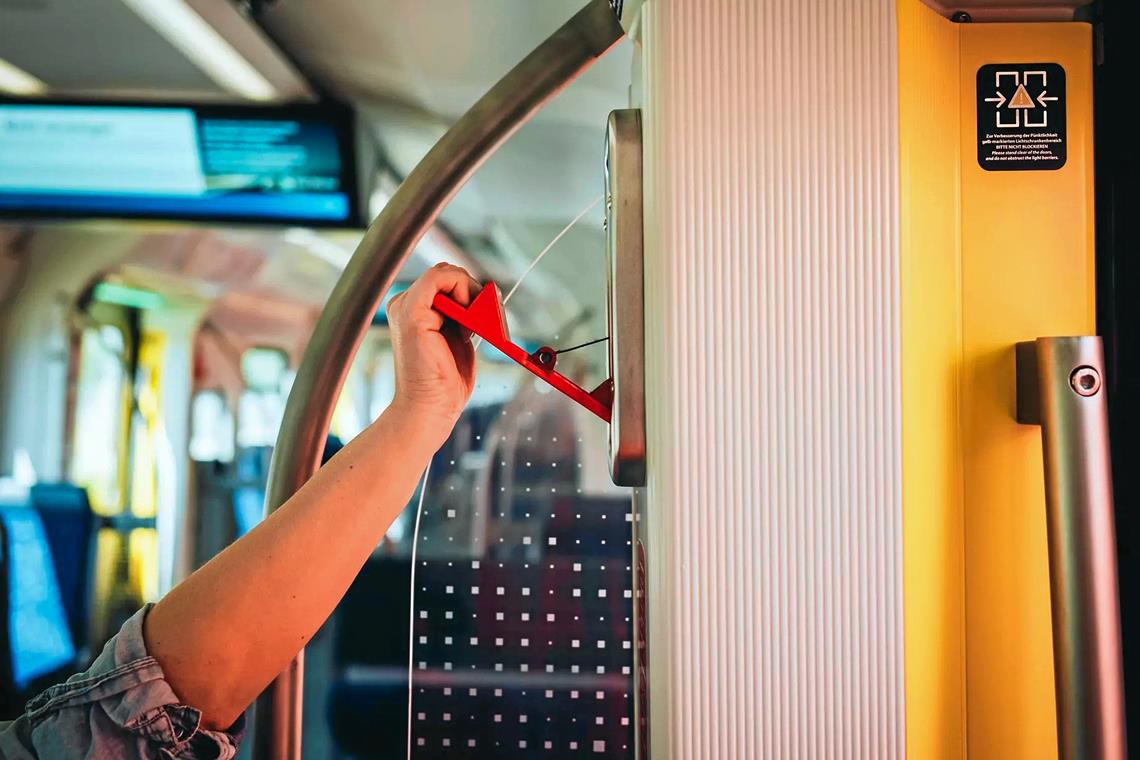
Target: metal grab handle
414	207
1060	387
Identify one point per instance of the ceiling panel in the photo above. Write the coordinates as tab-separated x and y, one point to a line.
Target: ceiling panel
96	46
439	56
413	67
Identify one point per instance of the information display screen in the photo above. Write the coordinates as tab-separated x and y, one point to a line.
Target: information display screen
227	163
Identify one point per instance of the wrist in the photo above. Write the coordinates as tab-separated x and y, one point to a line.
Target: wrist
419	430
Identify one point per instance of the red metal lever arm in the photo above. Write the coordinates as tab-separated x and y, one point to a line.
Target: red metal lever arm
484	317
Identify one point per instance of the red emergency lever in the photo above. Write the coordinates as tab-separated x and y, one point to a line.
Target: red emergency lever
484	317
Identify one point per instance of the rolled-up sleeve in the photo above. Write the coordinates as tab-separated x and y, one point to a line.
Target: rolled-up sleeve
120	707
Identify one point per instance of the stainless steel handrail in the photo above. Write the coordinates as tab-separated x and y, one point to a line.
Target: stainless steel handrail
1060	387
559	60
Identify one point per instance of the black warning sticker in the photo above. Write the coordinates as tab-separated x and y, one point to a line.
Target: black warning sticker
1021	116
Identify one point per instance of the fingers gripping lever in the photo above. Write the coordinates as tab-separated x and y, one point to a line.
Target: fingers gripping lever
484	317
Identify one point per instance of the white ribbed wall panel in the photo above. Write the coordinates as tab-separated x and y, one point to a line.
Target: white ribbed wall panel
773	515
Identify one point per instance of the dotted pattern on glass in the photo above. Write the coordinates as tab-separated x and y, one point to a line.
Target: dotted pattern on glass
523	623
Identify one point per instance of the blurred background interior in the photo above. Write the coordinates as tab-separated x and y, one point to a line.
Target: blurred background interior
181	184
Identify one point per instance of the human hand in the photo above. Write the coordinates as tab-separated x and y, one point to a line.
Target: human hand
434	357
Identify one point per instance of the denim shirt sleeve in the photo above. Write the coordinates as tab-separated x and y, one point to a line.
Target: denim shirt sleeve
120	707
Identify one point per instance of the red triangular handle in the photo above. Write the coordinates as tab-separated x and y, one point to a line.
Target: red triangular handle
484	317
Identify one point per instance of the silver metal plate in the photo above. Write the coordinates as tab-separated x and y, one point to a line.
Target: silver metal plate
625	297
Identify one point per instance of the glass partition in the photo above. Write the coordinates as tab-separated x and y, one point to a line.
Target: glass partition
521	640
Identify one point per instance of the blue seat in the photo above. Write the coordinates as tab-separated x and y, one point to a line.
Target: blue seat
70	526
36	639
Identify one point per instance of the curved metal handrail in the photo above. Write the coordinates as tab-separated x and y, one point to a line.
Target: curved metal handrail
414	207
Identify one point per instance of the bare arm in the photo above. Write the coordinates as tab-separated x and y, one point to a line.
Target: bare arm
226	631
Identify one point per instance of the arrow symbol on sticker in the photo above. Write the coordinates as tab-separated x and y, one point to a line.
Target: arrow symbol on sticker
1000	100
1041	98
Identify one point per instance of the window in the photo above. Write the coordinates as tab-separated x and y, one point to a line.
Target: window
98	441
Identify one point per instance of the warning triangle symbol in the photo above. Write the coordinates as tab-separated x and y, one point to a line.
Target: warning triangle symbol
1021	99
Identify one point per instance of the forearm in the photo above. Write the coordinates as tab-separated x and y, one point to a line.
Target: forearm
224	633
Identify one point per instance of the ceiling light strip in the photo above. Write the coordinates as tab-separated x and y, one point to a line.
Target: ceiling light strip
16	81
204	46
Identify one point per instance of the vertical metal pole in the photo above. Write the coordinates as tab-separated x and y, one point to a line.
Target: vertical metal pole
576	46
1060	387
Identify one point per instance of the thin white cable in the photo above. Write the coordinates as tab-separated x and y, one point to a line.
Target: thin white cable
412	601
423	486
550	245
479	341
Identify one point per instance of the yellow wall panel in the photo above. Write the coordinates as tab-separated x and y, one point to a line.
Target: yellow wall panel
931	338
1027	271
987	259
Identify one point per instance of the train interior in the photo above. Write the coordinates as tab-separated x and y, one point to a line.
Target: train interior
147	356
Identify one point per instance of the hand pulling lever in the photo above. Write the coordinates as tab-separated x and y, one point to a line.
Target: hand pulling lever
484	317
1060	387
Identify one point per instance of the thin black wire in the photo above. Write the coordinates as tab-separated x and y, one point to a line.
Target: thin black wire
583	345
